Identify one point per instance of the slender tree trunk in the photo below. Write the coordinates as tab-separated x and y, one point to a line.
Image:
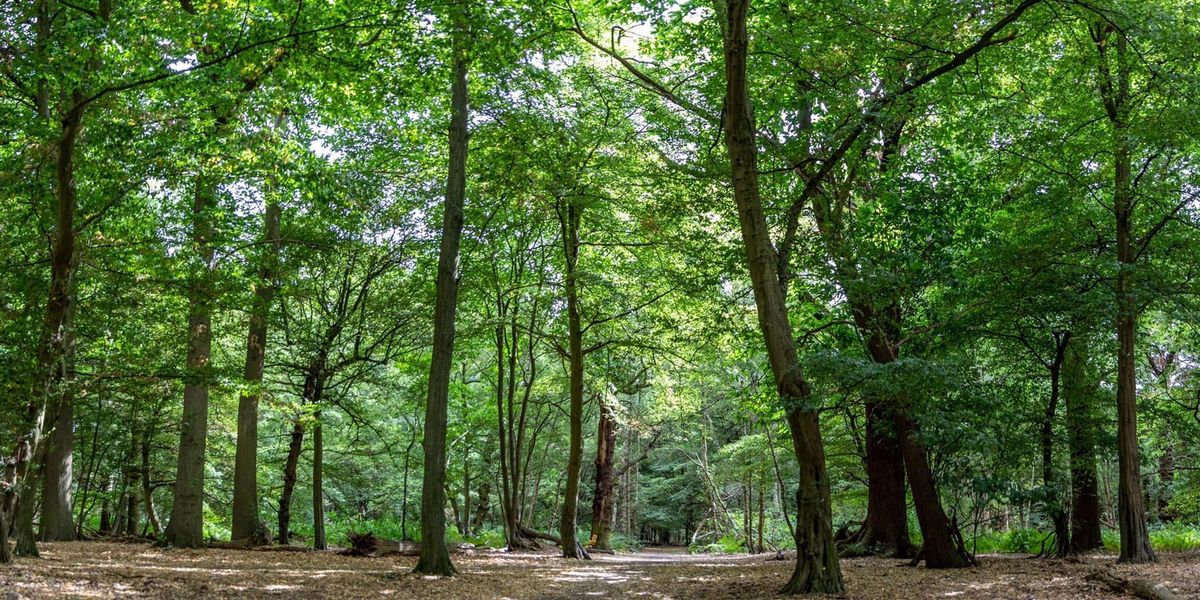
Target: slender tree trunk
186	527
317	489
147	485
20	494
569	216
1115	94
289	480
817	568
602	501
1166	477
481	510
245	468
1055	506
435	557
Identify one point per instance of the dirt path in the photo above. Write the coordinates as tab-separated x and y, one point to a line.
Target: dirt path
106	570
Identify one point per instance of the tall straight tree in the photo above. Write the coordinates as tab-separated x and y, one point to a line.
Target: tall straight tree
186	527
245	466
817	569
1114	72
435	558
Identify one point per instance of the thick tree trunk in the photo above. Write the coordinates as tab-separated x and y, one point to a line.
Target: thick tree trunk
57	522
1131	507
1078	393
318	491
817	568
606	441
435	558
886	529
245	468
940	549
186	527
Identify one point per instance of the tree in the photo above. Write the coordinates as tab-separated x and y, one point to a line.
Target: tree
435	558
817	569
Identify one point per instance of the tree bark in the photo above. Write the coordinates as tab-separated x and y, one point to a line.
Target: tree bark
147	486
318	492
435	558
606	441
886	528
817	569
1114	92
289	480
245	471
57	522
569	218
186	527
1054	503
1078	394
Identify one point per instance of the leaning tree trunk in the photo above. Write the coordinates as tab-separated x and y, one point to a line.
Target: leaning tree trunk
435	557
606	441
289	480
940	549
245	466
817	568
186	527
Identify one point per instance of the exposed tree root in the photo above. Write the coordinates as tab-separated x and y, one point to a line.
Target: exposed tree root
1140	588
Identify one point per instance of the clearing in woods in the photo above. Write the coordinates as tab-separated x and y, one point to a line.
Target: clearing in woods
114	570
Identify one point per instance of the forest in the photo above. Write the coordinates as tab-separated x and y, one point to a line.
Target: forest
670	298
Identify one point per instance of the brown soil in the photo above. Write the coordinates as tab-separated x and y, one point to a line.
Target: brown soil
109	570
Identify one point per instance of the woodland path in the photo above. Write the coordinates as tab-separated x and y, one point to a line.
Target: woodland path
110	570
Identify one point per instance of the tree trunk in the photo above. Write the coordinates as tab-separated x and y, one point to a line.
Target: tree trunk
569	218
289	480
20	489
886	529
1166	477
57	523
186	527
318	496
1054	503
245	468
602	501
435	558
940	549
147	486
817	568
481	510
1114	92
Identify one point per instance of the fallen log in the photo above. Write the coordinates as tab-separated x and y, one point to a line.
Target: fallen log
1139	588
366	544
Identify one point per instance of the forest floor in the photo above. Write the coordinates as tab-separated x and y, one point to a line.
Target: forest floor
112	570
